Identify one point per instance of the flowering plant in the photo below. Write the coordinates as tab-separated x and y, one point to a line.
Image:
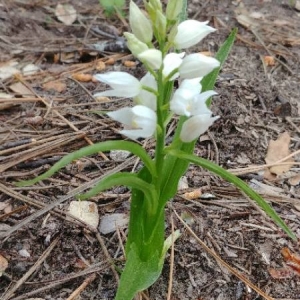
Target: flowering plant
155	104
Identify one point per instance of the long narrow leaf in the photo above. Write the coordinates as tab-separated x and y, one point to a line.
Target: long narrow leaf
183	14
238	183
208	82
127	179
89	150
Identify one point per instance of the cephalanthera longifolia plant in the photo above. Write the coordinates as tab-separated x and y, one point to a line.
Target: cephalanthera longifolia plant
158	40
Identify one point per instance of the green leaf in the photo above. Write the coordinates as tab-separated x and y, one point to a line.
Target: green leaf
208	82
138	275
92	149
238	183
183	14
127	179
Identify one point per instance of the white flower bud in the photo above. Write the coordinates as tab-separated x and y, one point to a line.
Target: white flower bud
152	58
156	4
172	61
134	44
196	126
160	24
174	8
140	24
190	33
197	65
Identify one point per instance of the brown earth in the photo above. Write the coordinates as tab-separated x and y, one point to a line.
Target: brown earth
257	103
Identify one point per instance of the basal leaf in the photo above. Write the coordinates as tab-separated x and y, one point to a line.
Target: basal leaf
138	275
127	179
93	149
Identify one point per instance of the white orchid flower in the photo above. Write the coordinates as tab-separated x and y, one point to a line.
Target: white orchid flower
192	85
186	103
197	65
145	97
122	84
171	62
140	24
196	126
190	33
139	121
152	58
134	44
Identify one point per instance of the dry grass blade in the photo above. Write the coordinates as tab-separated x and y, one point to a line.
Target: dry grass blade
64	198
52	284
39	150
10	192
85	283
59	115
169	295
108	257
242	171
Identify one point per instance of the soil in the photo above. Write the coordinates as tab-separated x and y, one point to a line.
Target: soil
50	255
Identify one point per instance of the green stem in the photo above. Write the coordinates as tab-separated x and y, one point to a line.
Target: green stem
160	139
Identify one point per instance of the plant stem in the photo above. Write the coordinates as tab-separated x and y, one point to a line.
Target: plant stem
160	140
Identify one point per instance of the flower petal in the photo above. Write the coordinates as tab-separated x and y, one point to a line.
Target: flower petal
140	121
123	115
144	118
172	61
134	134
122	83
151	57
144	97
197	65
195	126
198	105
181	102
188	102
190	33
192	85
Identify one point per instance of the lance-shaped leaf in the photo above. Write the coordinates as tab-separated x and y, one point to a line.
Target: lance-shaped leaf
238	183
128	179
209	80
89	150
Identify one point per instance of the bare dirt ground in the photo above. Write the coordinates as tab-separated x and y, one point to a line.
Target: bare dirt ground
51	112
